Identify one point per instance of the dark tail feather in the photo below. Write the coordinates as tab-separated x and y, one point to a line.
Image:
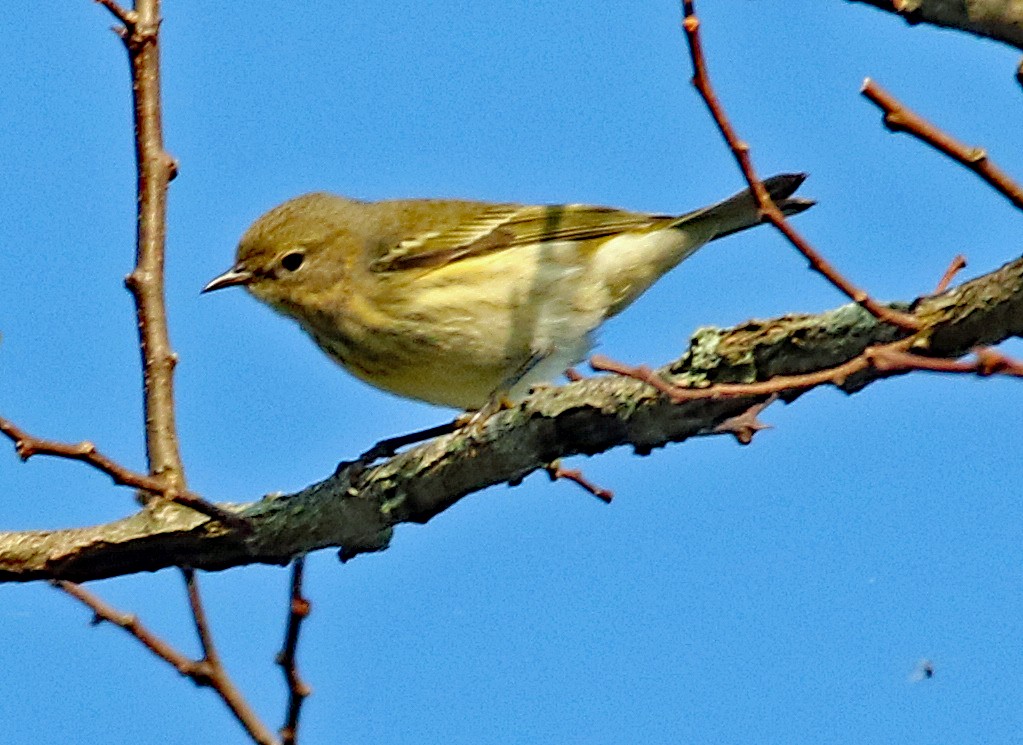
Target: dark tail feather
740	212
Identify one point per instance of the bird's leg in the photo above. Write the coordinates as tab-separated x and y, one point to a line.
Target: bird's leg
499	399
387	448
474	420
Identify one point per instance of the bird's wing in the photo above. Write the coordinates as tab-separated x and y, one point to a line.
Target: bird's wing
504	226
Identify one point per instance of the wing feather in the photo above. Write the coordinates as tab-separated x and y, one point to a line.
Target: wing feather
501	227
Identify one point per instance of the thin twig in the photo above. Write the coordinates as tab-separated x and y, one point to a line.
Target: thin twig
130	623
898	118
27	446
125	16
205	673
146	281
298	690
202	626
155	169
744	426
556	471
957	265
837	375
770	211
986	362
213	672
885	358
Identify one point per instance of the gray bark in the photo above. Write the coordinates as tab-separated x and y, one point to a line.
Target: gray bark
355	508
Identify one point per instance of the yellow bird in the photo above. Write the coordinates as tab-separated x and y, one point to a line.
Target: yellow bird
463	303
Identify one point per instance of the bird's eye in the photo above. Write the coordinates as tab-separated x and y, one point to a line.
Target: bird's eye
293	261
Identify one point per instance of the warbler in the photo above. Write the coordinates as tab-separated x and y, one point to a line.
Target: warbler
461	303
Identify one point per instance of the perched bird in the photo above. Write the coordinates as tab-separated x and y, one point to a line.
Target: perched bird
463	303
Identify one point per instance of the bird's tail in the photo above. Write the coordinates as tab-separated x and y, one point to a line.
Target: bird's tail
631	263
740	211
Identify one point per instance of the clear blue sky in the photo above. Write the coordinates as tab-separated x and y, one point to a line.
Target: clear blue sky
780	593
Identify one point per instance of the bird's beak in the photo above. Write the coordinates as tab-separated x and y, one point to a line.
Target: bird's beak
230	278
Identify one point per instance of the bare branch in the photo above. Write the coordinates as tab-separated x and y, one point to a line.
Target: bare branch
837	375
770	211
130	623
357	507
885	358
994	19
202	625
898	118
207	672
210	670
556	471
986	362
298	691
28	446
155	169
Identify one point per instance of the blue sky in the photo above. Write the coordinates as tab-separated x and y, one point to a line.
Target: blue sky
779	593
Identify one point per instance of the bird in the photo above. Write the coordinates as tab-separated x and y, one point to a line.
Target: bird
465	303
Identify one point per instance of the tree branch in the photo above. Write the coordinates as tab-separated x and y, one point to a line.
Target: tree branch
298	690
356	508
28	446
1001	20
206	672
898	118
768	209
102	611
210	670
156	168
